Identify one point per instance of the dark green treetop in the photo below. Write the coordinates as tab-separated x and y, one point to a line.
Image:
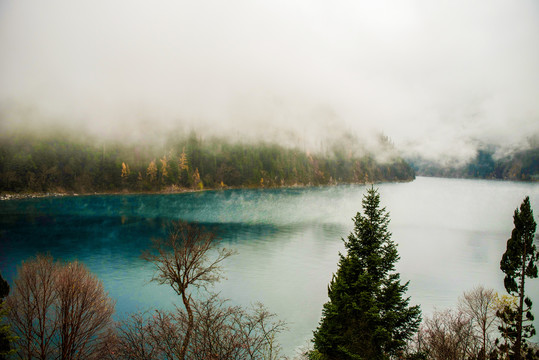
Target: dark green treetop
519	262
366	316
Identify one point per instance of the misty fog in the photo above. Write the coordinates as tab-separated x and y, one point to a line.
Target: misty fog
439	78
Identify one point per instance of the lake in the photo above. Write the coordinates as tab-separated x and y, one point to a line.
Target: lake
451	234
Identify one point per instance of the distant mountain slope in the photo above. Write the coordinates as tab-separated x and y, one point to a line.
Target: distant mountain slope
521	166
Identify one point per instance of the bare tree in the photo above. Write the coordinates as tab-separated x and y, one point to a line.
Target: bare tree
200	329
31	307
259	328
448	335
183	260
84	312
58	310
479	304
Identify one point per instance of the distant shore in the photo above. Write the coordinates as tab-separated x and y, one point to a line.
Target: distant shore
22	196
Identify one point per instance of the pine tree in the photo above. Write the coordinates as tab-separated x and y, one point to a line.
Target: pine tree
518	262
366	316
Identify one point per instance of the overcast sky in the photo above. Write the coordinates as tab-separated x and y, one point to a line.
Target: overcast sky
437	77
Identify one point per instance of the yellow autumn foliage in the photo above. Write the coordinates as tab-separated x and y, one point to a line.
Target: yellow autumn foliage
182	162
125	170
164	163
502	301
152	171
197	183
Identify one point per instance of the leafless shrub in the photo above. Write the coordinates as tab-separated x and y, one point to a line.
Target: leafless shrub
32	308
167	333
232	332
215	335
466	333
219	332
448	335
84	312
136	338
58	310
479	304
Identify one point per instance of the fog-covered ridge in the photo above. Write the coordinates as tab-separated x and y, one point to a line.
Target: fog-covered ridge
437	77
488	163
61	163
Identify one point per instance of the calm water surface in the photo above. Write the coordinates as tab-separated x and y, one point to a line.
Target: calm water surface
450	234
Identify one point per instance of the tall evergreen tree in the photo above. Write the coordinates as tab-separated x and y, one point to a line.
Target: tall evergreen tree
367	315
518	262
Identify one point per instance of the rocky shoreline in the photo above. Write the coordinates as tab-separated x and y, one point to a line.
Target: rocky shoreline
31	196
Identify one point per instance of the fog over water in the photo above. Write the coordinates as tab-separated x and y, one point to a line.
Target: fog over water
439	78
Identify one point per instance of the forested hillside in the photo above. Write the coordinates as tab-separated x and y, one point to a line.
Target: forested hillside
522	166
29	163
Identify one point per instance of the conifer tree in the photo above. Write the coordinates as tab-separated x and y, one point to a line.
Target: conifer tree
518	262
367	315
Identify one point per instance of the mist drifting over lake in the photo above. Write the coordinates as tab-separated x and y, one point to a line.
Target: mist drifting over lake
439	78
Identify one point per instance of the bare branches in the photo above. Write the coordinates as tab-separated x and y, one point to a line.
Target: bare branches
232	332
83	311
140	337
58	311
479	305
205	329
259	330
219	332
31	307
183	258
447	335
465	333
61	311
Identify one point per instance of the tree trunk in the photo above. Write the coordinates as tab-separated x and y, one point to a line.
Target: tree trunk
484	341
190	325
518	342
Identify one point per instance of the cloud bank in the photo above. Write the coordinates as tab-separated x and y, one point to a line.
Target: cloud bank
438	78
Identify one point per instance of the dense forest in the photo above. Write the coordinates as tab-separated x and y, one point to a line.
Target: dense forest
64	164
522	166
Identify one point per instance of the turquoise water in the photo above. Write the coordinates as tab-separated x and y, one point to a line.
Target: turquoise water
451	235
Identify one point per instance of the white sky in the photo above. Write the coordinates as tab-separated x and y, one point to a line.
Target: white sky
437	77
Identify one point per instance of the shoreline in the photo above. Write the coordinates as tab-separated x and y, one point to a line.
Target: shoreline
22	196
5	196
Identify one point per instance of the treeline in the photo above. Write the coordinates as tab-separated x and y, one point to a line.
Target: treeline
62	164
520	166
